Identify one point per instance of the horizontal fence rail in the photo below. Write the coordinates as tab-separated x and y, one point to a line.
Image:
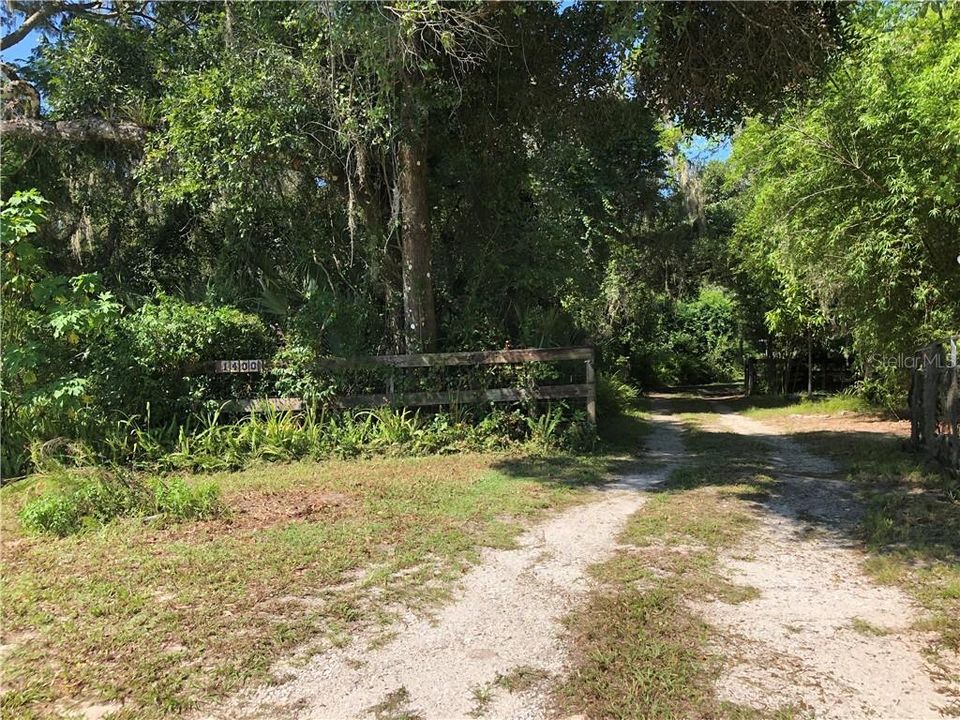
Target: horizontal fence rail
586	391
422	360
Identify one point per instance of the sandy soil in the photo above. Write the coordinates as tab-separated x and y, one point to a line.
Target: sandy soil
506	615
804	642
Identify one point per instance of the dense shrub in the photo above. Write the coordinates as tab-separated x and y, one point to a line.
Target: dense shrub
615	396
149	363
51	324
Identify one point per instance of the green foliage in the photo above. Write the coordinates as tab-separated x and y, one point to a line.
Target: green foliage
851	208
701	343
263	215
96	501
171	334
105	71
615	396
51	326
209	444
158	350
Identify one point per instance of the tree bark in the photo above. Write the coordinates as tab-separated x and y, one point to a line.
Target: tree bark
85	130
384	269
420	323
770	369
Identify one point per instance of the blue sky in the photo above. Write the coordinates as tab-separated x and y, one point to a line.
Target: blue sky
21	51
703	149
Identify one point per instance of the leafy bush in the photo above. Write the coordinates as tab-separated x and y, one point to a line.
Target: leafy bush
98	501
701	341
162	342
615	396
51	324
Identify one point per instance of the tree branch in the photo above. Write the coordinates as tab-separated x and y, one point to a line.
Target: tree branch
86	130
12	38
46	11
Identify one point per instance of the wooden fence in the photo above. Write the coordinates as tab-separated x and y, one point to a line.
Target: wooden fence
586	391
935	404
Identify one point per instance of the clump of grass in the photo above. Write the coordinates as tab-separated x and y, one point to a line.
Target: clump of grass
521	678
482	697
865	627
96	501
394	706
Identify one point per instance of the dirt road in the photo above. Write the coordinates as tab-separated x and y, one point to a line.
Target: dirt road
801	642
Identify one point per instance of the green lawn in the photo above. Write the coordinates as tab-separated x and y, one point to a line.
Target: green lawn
160	617
772	407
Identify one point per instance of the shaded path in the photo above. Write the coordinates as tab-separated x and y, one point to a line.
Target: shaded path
821	637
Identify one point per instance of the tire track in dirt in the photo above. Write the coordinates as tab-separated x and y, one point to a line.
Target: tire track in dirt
506	615
799	643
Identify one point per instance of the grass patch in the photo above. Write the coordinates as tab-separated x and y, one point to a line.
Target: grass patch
165	616
97	500
912	530
640	650
521	678
394	706
760	408
639	654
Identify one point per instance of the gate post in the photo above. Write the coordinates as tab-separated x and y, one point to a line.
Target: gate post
591	382
931	377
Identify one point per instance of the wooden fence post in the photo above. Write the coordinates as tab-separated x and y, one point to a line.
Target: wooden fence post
931	378
916	405
591	382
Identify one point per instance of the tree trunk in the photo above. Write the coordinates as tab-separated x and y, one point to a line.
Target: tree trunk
383	251
771	370
788	369
809	364
420	324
